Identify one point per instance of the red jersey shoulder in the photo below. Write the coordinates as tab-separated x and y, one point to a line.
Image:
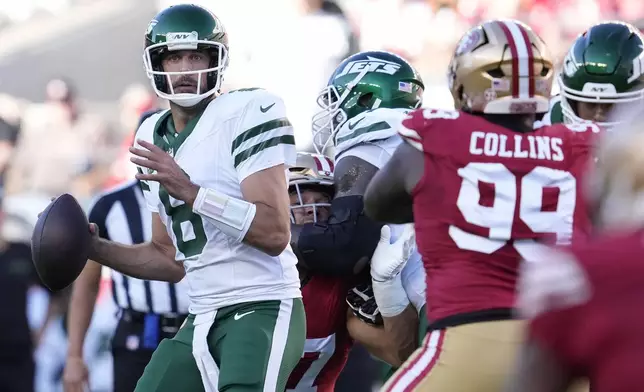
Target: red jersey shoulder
418	124
578	135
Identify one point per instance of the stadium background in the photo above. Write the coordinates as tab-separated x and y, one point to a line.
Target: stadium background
287	46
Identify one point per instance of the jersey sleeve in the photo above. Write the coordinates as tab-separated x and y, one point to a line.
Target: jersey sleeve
368	127
417	126
263	136
376	153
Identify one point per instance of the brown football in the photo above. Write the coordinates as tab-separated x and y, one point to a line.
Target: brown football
60	242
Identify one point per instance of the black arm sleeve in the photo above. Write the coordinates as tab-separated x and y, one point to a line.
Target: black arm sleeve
336	247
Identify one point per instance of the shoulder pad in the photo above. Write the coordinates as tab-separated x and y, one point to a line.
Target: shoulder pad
146	129
370	126
418	123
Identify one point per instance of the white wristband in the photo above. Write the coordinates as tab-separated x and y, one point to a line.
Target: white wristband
231	215
390	295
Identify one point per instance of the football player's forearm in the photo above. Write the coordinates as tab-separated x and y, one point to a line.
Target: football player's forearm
143	261
81	307
270	230
402	332
374	339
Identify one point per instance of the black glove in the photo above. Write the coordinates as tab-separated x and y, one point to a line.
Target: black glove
363	304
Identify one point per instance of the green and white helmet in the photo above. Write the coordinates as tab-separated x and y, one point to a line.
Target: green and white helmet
185	27
362	82
604	65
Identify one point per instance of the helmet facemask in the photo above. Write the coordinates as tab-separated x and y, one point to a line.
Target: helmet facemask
211	77
328	121
623	103
298	187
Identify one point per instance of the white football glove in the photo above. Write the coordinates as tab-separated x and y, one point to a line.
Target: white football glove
389	258
387	262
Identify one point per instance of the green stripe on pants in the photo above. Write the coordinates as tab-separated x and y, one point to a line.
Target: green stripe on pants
256	345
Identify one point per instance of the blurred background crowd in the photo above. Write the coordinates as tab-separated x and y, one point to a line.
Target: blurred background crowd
72	88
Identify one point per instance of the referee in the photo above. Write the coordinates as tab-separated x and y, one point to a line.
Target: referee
149	310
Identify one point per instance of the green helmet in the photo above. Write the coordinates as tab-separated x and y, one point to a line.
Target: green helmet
362	82
185	27
604	65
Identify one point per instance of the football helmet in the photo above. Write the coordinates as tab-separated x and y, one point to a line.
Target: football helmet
501	67
185	27
604	65
311	171
364	81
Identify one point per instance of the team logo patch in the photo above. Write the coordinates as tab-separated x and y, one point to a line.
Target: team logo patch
371	64
469	41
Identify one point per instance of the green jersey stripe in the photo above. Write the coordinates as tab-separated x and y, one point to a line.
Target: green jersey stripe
258	130
379	126
259	147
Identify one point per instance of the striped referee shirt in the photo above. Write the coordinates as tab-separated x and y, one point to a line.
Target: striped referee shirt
122	216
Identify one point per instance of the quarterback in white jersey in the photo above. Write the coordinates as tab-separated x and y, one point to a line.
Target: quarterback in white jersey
366	98
213	171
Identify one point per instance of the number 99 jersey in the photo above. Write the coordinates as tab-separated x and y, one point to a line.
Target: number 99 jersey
487	198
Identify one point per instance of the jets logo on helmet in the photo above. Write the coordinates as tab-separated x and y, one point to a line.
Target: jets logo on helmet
371	64
362	82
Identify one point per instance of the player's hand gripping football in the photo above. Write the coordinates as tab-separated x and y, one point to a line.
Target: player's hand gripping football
389	258
164	170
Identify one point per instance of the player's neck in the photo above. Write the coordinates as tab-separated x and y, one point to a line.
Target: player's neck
181	115
522	123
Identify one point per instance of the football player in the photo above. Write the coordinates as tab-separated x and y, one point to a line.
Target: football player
213	169
366	96
327	341
482	187
583	303
602	71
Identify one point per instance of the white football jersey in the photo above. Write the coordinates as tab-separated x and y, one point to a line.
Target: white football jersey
373	137
238	134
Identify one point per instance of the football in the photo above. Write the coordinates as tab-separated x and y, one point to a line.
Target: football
60	242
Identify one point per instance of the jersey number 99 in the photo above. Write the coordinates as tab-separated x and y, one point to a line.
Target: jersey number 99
509	194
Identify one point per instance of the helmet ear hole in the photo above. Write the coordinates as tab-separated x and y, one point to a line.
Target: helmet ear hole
366	100
496	73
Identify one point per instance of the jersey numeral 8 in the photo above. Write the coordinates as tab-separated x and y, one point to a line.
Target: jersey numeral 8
499	217
186	225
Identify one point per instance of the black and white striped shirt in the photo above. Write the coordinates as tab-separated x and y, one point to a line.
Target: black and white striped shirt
122	216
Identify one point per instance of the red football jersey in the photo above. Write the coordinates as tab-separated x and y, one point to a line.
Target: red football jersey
327	340
602	338
486	196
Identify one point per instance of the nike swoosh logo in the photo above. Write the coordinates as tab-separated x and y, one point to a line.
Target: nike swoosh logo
238	316
351	126
267	108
